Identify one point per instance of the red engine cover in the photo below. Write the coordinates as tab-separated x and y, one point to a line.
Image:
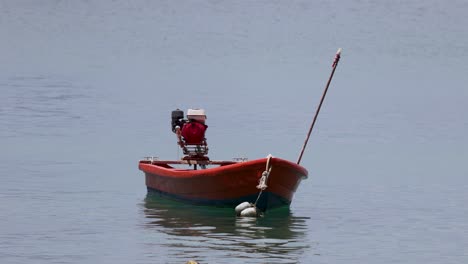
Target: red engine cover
193	132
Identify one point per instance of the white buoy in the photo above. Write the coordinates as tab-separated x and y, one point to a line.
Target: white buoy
242	206
249	212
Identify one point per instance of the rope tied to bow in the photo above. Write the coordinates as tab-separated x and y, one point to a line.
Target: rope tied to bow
264	179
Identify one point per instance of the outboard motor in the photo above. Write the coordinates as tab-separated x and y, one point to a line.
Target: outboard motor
177	119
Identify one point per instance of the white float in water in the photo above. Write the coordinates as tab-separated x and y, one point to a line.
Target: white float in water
246	209
249	212
242	206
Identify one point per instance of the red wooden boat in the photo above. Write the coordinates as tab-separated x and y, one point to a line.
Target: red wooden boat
231	182
227	184
219	183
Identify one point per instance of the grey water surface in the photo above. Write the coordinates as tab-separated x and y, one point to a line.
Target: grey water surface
86	90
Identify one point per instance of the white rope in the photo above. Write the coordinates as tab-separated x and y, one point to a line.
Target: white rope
264	179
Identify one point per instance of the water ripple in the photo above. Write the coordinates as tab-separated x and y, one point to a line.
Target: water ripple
205	232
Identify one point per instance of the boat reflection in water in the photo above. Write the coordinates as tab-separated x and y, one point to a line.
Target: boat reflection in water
209	233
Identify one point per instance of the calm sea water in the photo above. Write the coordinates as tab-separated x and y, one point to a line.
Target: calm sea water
87	88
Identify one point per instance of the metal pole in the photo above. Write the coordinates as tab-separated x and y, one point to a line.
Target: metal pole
335	63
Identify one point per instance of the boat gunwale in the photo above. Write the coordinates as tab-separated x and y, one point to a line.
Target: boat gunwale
149	166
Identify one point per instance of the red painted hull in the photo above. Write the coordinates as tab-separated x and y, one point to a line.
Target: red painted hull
226	185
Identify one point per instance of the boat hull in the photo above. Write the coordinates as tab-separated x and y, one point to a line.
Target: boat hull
227	185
